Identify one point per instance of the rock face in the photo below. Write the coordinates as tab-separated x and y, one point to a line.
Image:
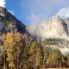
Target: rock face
54	27
54	33
8	22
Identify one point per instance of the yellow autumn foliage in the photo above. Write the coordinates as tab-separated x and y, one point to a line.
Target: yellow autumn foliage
9	38
10	41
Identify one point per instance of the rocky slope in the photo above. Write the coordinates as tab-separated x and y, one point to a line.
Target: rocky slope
8	22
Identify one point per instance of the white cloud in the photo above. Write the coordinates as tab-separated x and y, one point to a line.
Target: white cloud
64	12
41	9
34	18
64	51
2	3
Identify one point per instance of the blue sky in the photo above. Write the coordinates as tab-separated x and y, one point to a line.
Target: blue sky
34	11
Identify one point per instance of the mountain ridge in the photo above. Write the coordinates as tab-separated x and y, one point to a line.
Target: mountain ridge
54	27
10	22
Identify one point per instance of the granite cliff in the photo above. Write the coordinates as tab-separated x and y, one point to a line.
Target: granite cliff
54	27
